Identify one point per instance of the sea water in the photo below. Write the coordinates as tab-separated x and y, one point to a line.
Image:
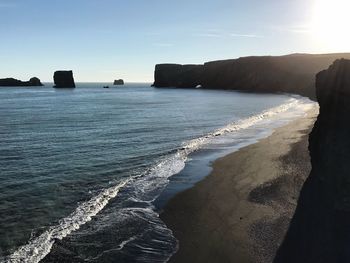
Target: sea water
81	169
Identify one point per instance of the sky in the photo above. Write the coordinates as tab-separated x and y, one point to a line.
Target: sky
103	40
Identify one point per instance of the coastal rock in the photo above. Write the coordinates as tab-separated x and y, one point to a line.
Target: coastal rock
292	73
118	82
35	82
11	82
178	76
64	79
320	229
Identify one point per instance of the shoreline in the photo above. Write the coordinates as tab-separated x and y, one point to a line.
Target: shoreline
241	210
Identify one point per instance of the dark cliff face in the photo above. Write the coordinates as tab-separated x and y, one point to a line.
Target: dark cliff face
262	74
292	73
178	76
64	79
320	229
11	82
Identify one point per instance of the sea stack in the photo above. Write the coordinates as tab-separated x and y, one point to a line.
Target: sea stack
320	229
118	82
11	82
64	79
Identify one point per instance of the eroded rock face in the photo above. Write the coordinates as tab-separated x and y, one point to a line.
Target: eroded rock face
11	82
320	229
261	74
64	79
178	76
292	73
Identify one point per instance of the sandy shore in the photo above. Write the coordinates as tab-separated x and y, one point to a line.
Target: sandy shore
241	211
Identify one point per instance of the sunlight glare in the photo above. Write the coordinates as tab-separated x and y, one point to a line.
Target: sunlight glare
331	21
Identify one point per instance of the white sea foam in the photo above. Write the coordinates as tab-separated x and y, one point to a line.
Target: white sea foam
39	247
295	104
154	178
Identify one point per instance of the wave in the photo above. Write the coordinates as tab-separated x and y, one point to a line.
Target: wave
40	246
151	181
293	103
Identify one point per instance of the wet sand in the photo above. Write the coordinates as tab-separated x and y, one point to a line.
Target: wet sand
241	211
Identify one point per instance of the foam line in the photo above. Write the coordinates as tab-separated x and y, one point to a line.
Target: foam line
39	247
195	144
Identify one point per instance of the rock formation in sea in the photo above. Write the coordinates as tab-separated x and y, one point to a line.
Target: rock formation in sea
118	82
11	82
320	229
292	73
64	79
176	75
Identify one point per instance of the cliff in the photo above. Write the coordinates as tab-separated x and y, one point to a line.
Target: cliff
320	229
118	82
64	79
11	82
291	73
176	75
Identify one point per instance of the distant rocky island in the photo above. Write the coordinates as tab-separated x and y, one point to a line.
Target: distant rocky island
64	79
291	73
11	82
118	82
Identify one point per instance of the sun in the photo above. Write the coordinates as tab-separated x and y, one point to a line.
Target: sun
331	24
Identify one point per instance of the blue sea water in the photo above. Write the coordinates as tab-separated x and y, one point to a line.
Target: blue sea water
81	169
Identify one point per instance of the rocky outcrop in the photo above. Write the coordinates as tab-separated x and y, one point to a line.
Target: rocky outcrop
11	82
320	229
176	75
118	82
64	79
292	73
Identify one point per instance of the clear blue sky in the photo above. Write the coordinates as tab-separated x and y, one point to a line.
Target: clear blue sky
101	40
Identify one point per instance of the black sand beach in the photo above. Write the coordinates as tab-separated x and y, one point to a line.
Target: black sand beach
241	211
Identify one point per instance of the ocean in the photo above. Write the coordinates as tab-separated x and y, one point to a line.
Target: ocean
85	172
